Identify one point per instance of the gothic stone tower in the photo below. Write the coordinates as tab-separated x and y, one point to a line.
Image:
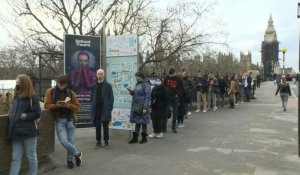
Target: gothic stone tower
269	50
245	61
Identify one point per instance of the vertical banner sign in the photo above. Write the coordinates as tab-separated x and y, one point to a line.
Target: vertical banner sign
121	52
82	59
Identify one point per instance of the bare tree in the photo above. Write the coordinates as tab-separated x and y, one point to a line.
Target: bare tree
176	33
180	33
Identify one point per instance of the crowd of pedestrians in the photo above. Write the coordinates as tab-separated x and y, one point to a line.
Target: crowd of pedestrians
155	99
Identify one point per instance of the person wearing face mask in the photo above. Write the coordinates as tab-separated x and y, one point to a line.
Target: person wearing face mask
64	104
159	109
25	110
102	102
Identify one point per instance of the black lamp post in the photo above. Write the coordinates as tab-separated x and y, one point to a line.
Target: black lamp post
298	16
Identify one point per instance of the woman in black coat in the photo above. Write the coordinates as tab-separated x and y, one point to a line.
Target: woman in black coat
159	108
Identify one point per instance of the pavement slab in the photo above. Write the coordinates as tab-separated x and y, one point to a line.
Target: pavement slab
255	138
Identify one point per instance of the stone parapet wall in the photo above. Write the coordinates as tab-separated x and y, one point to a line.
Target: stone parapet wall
46	141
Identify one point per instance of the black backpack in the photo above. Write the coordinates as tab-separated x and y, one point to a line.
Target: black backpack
284	88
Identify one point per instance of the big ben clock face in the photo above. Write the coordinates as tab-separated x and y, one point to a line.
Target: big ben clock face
269	38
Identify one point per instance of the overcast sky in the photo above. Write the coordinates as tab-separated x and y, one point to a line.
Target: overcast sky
245	21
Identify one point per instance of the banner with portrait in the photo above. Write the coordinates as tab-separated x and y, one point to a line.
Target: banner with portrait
82	60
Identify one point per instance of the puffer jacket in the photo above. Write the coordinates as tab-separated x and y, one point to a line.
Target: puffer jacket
31	107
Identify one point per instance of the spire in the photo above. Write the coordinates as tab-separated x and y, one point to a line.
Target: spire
270	33
270	28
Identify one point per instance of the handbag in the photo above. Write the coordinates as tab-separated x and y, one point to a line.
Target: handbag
137	110
25	128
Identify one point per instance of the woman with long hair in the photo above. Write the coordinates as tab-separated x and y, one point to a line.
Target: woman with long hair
22	125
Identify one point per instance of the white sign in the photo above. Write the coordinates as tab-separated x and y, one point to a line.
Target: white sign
121	45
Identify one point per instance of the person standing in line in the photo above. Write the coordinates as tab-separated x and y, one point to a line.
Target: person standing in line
223	89
102	102
248	86
174	86
241	89
285	92
140	107
189	86
22	129
159	108
64	103
201	87
258	79
232	91
212	92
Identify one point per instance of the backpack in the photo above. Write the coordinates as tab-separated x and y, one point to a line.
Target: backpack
284	88
37	120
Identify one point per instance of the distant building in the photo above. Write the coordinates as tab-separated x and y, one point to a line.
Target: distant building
245	62
269	50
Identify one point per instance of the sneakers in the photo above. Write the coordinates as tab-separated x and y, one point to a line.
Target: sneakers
204	110
215	108
174	130
181	126
78	159
160	135
152	135
197	110
70	164
189	113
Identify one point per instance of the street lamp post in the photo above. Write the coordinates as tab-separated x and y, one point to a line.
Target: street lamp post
298	16
283	50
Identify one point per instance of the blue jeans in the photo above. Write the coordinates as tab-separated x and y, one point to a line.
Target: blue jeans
284	99
18	146
174	104
65	133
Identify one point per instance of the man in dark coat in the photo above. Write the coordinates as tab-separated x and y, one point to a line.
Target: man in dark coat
174	86
102	101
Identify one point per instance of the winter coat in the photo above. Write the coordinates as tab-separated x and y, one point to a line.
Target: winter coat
213	86
31	107
141	98
283	88
202	85
107	101
159	102
50	103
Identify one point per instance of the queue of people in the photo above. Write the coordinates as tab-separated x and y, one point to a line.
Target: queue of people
170	97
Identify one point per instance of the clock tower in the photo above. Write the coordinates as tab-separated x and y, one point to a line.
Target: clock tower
269	50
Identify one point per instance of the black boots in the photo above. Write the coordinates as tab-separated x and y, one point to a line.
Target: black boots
144	138
134	139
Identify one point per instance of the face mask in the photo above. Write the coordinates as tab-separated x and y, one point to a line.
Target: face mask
158	83
17	87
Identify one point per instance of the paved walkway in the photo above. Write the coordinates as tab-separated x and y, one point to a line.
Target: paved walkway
255	138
